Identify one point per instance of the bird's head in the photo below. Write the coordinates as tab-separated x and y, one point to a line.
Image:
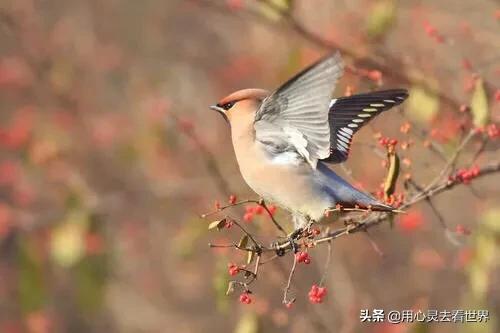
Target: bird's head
241	102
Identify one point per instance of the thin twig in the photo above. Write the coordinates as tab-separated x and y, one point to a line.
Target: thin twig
289	282
327	263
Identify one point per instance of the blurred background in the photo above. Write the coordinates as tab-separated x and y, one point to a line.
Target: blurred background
109	154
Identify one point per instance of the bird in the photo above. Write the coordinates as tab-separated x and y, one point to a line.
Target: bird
284	140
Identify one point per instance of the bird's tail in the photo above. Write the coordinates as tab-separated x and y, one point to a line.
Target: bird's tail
345	194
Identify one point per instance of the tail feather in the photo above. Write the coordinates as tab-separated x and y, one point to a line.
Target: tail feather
345	194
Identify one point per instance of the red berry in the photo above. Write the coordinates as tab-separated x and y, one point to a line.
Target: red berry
493	131
232	199
321	292
248	217
411	221
272	209
233	269
375	75
303	257
249	209
258	210
497	95
289	305
462	230
245	298
235	4
316	294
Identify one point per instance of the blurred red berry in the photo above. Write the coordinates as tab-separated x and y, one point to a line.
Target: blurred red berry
289	305
493	131
272	209
465	175
462	230
232	199
217	205
464	257
411	221
497	95
429	29
234	4
387	142
233	269
405	128
245	298
258	210
466	64
316	294
375	75
248	217
303	257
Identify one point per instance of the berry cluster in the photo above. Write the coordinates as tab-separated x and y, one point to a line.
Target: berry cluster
394	200
251	211
316	294
465	175
233	269
387	142
245	298
492	130
303	257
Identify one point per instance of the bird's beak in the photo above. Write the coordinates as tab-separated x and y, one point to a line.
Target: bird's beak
220	110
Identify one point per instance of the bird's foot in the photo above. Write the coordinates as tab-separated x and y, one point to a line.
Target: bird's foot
289	241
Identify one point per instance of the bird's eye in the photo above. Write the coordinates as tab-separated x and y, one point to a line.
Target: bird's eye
226	106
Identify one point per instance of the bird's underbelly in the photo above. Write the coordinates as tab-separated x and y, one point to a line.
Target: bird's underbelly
290	186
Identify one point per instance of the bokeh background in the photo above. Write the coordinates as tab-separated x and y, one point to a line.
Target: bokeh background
108	154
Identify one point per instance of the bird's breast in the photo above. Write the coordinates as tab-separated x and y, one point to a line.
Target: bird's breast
281	179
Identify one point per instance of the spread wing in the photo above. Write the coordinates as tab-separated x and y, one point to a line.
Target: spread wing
294	118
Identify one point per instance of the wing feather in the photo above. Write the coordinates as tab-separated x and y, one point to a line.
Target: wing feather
298	111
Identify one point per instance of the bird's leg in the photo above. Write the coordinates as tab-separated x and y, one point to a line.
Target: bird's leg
297	233
302	223
290	240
